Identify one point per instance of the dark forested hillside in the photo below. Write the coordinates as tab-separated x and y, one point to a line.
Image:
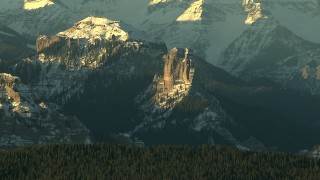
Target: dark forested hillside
103	161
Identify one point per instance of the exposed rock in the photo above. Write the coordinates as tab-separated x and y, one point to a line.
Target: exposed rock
305	72
7	80
177	68
23	122
45	42
318	73
254	11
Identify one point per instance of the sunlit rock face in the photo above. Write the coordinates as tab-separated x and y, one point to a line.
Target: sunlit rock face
175	82
7	80
178	89
36	4
177	69
254	11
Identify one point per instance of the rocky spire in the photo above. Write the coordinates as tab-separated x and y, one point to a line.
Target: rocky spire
177	67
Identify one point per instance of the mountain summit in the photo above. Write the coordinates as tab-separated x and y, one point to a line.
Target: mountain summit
93	28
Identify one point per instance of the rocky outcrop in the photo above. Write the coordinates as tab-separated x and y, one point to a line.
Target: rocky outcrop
318	73
45	42
177	68
253	9
24	122
7	80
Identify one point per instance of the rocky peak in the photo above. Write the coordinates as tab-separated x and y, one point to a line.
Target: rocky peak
254	10
177	68
93	28
97	28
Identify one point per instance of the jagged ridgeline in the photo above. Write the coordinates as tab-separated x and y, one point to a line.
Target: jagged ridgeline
107	78
103	161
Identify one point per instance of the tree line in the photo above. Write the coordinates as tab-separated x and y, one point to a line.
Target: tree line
105	161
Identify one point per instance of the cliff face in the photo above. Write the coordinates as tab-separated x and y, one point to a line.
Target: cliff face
177	68
45	42
7	80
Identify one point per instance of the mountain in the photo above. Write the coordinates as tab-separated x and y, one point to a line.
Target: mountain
270	50
215	30
25	121
126	87
122	83
62	71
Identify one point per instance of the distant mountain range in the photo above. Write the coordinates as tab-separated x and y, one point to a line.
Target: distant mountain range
162	72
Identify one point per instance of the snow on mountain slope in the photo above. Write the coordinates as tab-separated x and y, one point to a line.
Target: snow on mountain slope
209	27
301	17
150	15
174	89
301	71
38	20
36	4
210	31
256	41
270	50
65	59
24	122
193	13
94	28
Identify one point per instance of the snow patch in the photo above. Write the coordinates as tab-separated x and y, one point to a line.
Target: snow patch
193	13
36	4
97	28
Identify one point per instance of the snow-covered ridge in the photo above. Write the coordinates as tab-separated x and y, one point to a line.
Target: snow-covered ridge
98	28
36	4
93	28
193	13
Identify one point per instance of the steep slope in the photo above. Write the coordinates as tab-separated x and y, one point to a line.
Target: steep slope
269	50
193	102
24	121
208	27
122	86
90	67
13	46
34	17
205	26
61	71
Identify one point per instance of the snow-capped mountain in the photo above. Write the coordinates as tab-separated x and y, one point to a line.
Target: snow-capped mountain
212	28
100	68
116	79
